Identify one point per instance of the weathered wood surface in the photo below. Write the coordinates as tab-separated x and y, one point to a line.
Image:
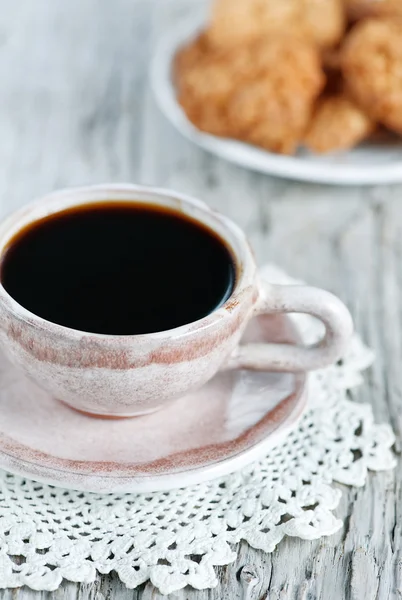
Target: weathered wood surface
75	108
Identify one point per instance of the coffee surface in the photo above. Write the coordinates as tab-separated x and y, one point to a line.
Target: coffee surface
118	268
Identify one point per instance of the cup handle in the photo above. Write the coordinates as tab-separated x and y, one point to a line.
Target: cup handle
286	357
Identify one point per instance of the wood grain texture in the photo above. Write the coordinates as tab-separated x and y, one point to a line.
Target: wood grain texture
75	108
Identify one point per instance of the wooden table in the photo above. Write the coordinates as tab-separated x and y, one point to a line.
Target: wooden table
75	108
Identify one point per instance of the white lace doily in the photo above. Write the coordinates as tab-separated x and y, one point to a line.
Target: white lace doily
177	538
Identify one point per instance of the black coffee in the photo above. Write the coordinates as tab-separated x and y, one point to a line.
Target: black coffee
118	268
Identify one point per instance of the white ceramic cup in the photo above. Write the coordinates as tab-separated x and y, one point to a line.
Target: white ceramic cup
130	375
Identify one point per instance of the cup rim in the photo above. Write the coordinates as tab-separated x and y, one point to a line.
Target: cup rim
234	237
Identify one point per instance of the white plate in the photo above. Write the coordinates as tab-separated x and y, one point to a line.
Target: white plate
367	164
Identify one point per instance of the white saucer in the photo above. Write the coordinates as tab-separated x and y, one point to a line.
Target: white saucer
228	423
370	163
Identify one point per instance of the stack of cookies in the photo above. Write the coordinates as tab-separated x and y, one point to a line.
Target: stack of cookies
326	74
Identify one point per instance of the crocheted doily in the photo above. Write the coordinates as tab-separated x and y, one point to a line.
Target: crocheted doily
177	538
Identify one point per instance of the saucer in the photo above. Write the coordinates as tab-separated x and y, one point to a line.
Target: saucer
231	421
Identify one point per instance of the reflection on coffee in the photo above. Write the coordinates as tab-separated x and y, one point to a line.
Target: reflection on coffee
118	268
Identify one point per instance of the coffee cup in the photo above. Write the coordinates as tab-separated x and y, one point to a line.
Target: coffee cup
128	375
